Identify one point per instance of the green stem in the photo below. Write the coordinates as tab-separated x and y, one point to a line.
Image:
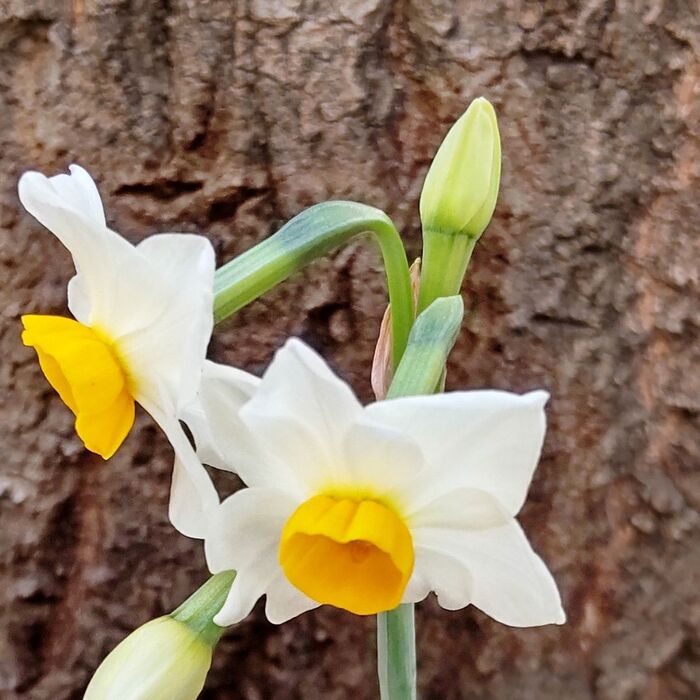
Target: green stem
308	236
396	653
419	372
198	611
444	263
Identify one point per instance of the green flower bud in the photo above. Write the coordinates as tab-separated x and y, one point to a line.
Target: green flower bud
167	658
461	188
458	199
162	660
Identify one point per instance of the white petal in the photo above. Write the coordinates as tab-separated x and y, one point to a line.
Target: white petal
299	383
193	496
379	458
222	398
439	572
107	265
288	454
79	299
178	257
234	387
173	345
244	533
300	377
244	525
510	582
188	511
284	601
248	587
489	440
79	192
461	509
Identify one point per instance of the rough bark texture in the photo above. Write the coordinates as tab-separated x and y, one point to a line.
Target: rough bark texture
230	117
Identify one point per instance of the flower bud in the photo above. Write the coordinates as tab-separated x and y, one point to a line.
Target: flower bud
162	660
460	190
458	199
167	658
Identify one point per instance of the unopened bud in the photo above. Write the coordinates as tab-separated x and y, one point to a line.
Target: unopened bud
461	188
458	199
167	658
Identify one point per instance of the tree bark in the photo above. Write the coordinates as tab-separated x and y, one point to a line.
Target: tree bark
227	118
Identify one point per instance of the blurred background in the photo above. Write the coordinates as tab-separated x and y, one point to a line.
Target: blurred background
229	117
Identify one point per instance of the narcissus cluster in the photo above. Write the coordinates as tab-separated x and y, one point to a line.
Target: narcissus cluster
365	508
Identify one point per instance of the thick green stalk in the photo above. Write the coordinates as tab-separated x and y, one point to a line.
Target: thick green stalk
198	611
396	653
308	236
445	260
419	372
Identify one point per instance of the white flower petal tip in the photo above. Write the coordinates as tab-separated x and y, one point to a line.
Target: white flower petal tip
297	354
538	397
76	192
283	603
495	569
501	432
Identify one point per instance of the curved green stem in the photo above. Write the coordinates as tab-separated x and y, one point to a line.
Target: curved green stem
308	236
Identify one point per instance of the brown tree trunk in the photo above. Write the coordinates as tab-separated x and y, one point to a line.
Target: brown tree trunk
228	118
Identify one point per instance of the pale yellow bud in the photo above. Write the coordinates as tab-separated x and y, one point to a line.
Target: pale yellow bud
461	188
165	659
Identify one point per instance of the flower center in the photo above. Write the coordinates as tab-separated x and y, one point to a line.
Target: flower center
88	376
353	554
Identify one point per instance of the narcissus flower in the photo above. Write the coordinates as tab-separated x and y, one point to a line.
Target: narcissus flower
142	322
365	508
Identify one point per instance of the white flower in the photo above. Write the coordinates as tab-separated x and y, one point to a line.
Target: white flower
365	508
143	319
162	660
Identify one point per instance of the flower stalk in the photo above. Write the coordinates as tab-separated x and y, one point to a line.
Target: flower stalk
446	258
432	337
198	611
308	236
396	653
